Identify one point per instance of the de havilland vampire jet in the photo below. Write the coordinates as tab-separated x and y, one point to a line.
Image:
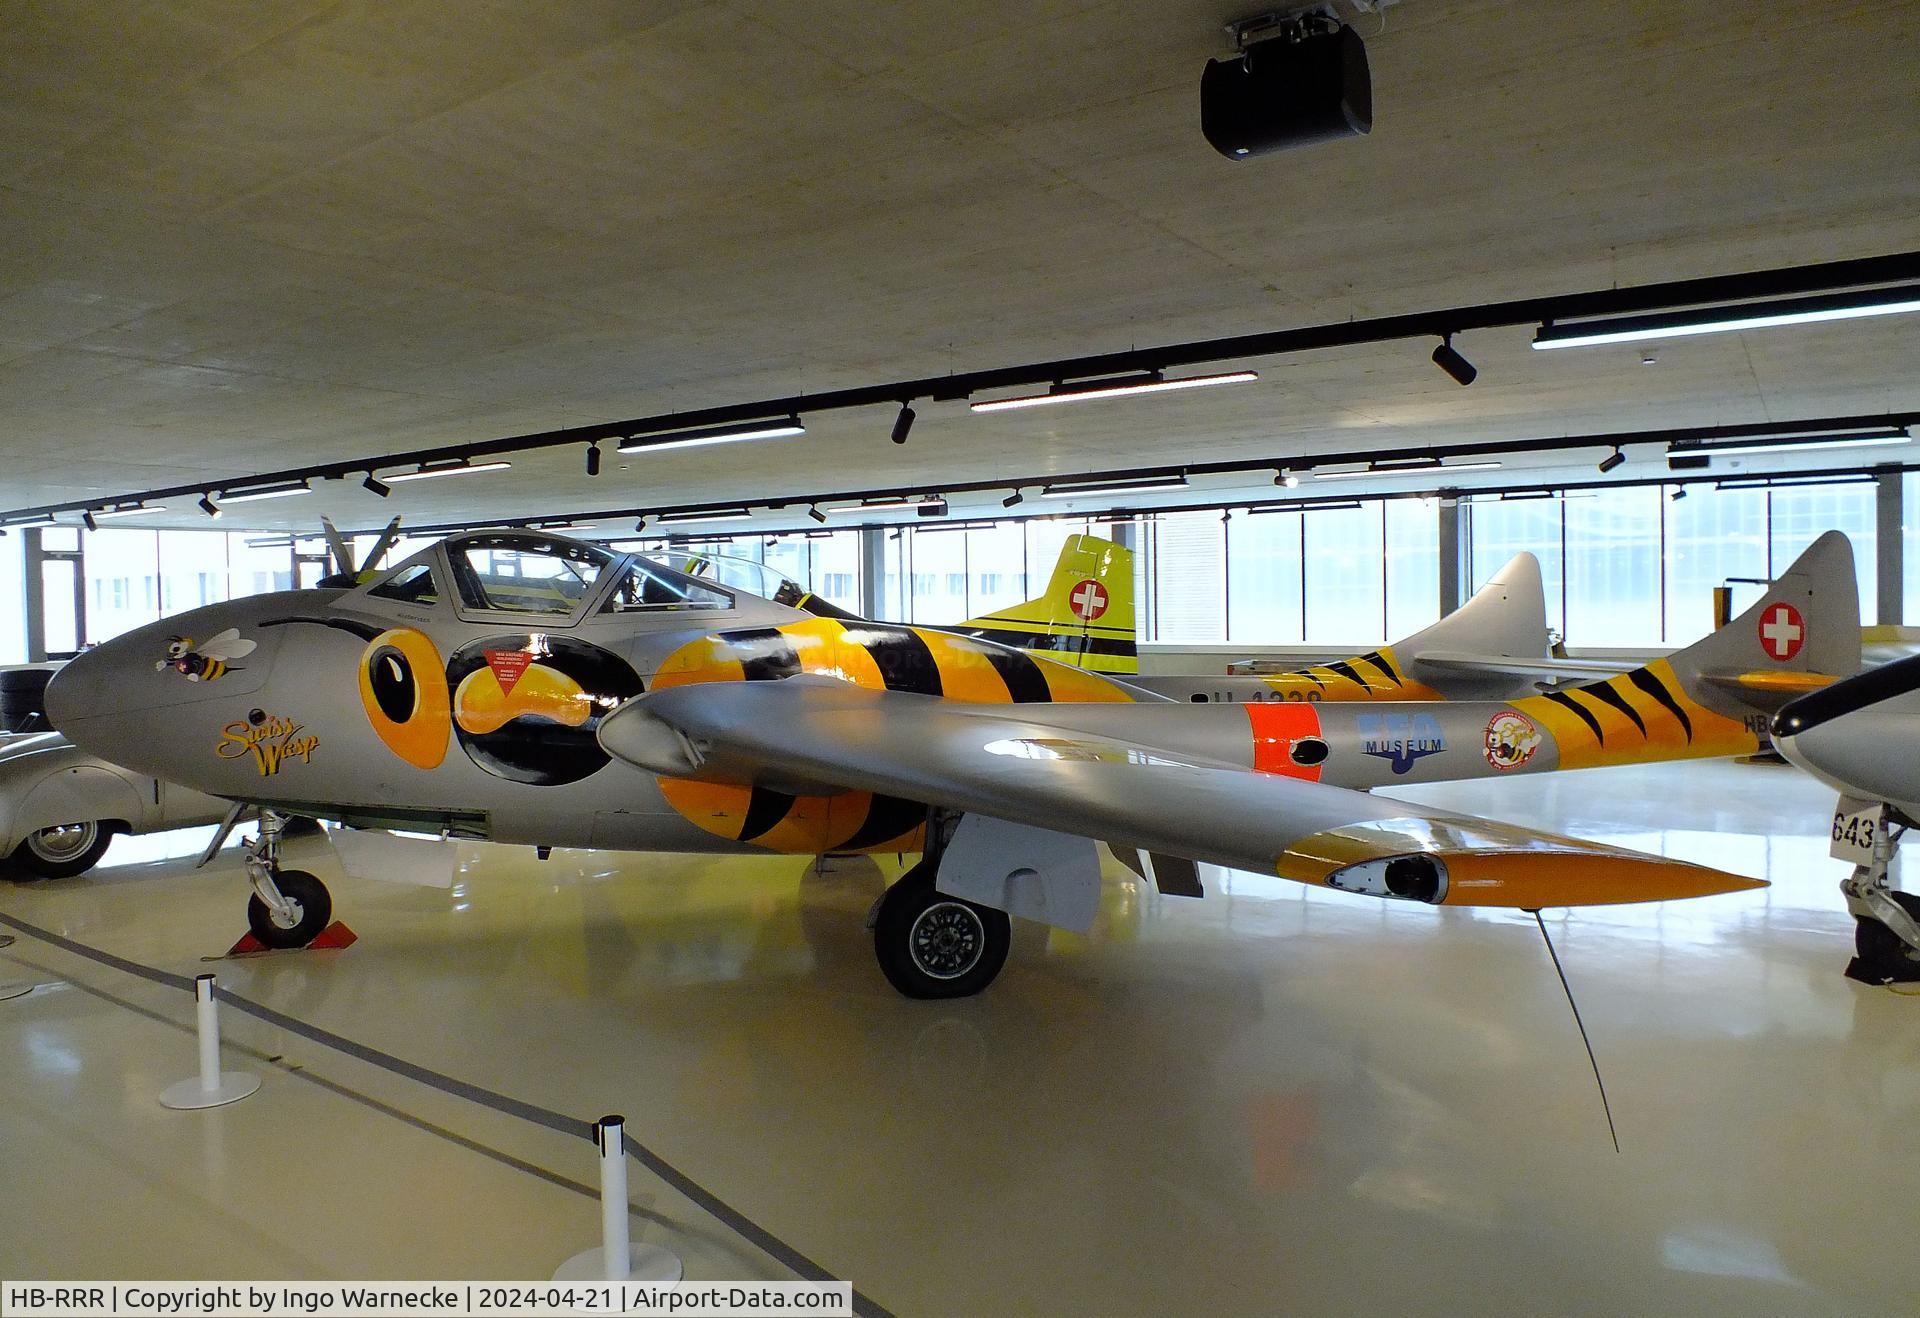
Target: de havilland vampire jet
531	689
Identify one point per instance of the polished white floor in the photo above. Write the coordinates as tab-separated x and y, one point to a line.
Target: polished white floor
1270	1101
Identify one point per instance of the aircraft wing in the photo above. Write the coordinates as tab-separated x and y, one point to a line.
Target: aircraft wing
988	760
1542	667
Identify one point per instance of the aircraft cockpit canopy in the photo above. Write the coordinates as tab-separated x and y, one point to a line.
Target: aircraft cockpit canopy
519	572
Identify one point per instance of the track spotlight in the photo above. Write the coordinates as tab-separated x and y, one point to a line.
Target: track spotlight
208	506
639	525
1013	500
1448	358
1679	493
87	517
593	459
1285	478
902	424
378	486
1611	461
815	513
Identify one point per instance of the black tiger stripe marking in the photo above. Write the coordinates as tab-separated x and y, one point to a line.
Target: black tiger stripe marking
1586	715
765	808
888	817
905	660
1306	673
766	654
1605	691
1647	681
1026	684
1342	667
1378	660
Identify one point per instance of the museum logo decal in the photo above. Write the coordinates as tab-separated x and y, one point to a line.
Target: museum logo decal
269	739
1400	739
1512	738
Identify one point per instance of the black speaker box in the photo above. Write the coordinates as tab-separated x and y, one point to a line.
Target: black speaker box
1283	93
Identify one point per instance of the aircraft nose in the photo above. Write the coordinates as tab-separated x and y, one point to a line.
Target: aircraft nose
209	654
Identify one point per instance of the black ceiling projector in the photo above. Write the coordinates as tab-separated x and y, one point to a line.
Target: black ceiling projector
1291	90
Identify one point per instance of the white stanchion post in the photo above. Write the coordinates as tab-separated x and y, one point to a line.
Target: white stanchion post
212	1087
617	1259
12	990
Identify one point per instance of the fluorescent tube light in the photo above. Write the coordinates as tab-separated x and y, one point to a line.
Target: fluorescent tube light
135	510
279	491
1119	485
30	524
428	471
1152	383
732	434
1775	482
883	506
1725	319
710	515
1742	447
1414	468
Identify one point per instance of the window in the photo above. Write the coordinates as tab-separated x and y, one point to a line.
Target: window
410	585
193	569
1413	565
1613	567
123	579
1189	577
1263	579
939	575
523	573
1798	514
648	588
1345	578
1501	528
1910	547
1712	536
13	599
996	568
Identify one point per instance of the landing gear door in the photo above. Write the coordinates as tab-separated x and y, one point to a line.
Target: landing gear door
1030	872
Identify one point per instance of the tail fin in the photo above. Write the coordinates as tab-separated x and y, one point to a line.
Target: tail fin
1715	696
1085	617
1507	616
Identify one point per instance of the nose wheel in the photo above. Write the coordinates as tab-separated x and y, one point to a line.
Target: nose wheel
288	908
931	945
1886	936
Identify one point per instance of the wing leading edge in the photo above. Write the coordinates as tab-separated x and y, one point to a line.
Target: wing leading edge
988	760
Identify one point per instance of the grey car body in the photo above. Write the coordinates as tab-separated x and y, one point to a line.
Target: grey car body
60	806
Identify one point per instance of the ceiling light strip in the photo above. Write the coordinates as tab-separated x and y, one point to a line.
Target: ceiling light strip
433	472
781	429
1077	393
1729	319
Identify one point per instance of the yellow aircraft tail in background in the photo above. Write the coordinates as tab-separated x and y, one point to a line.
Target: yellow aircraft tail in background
1084	618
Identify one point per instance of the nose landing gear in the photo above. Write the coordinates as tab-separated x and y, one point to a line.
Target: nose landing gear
288	908
1886	937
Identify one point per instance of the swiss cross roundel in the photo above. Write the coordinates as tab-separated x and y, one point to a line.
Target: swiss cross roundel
1088	600
1782	632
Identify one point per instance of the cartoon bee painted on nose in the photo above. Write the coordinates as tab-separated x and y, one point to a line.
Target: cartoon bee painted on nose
206	662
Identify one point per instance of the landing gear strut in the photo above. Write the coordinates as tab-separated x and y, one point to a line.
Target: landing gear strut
288	908
1886	936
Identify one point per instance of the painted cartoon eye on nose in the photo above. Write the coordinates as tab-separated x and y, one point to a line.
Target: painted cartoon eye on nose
403	688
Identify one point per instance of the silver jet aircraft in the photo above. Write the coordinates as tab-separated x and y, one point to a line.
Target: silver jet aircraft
527	688
1862	738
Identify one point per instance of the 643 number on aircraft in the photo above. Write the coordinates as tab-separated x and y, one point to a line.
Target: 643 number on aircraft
1856	825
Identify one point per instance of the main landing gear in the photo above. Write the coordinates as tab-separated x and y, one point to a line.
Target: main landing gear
1886	936
288	908
931	945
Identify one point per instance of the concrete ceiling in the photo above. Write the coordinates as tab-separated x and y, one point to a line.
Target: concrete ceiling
236	238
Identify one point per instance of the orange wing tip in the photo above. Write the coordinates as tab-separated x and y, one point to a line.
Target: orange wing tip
1471	862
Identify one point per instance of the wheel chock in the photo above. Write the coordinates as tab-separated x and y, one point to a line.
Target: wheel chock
335	935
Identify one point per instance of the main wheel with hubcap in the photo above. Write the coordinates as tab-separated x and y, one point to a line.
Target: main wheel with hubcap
931	945
312	909
64	850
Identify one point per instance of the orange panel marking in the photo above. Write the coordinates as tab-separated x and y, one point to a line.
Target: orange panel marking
1277	725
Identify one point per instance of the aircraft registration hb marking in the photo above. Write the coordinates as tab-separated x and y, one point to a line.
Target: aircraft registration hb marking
879	656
